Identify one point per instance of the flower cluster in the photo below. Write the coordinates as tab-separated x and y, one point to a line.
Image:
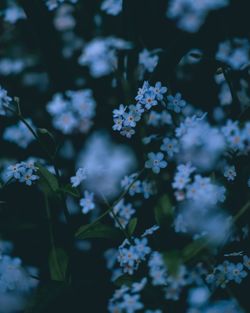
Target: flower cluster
13	13
235	52
229	272
123	212
190	14
157	269
126	118
16	280
127	299
148	60
73	112
131	255
24	172
19	134
100	55
136	186
237	139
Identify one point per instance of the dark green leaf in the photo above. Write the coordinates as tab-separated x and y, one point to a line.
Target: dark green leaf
47	178
125	279
194	249
68	189
132	226
164	210
97	231
173	261
58	262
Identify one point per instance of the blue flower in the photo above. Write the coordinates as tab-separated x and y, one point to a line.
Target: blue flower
149	99
131	303
23	172
246	262
4	101
176	103
236	272
87	202
170	146
159	90
129	120
118	123
119	112
81	175
230	173
156	162
28	177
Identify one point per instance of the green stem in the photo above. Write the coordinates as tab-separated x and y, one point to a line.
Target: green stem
51	234
242	211
116	219
114	203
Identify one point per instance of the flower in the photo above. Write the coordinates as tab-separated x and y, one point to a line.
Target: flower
119	112
53	4
159	90
4	101
236	272
23	172
149	99
155	162
246	261
182	177
112	7
81	175
170	146
87	202
131	303
175	103
230	172
148	60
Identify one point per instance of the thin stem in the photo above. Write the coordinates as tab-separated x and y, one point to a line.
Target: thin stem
123	229
114	203
242	211
51	234
51	159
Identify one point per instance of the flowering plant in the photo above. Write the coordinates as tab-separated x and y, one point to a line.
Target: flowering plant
124	175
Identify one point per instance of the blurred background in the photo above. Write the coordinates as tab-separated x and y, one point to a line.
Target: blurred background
44	53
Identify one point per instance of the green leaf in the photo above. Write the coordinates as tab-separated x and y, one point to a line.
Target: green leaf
46	296
68	189
164	210
98	231
132	226
173	260
194	249
58	262
124	280
47	178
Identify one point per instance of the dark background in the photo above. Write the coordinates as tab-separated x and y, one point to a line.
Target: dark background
22	219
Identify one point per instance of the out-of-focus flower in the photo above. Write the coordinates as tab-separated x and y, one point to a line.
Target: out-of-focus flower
100	55
87	202
112	7
19	134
